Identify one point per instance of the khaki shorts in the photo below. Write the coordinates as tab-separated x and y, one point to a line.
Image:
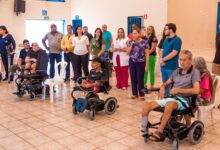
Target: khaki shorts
216	69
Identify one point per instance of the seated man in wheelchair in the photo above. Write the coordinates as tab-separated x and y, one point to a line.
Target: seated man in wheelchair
97	79
21	60
35	73
185	83
31	59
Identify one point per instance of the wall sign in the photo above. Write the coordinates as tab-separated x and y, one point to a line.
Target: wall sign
44	13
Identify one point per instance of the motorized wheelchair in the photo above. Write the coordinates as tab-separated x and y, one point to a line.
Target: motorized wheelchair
175	130
92	101
33	84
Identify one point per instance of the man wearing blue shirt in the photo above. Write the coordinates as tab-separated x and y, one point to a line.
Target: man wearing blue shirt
169	54
107	36
21	59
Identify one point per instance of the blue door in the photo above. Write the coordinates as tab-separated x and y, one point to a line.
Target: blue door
134	19
76	23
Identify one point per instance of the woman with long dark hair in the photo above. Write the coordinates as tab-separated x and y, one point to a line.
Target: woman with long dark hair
7	48
152	41
80	53
97	43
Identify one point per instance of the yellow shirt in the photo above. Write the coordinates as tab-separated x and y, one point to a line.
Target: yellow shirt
66	43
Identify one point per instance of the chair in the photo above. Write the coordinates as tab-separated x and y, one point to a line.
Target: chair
202	110
57	80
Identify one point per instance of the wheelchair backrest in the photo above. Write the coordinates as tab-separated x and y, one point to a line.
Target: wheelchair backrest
42	63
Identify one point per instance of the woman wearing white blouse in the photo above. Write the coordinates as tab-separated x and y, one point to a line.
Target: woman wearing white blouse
120	59
81	54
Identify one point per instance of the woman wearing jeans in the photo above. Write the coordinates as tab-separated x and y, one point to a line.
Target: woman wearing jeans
138	63
80	54
152	41
120	59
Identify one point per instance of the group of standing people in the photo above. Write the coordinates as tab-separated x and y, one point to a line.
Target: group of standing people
135	53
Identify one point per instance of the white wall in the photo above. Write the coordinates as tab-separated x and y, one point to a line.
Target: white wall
114	13
16	24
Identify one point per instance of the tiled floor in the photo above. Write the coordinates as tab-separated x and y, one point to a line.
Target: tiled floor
39	124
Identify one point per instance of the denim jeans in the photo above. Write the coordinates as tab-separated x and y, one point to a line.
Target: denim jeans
54	57
166	73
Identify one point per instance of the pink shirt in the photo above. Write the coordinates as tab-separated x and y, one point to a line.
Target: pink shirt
205	85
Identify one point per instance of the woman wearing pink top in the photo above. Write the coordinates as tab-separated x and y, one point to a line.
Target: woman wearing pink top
206	80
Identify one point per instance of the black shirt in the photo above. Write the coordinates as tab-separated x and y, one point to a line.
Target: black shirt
217	53
97	76
89	35
33	54
151	39
160	45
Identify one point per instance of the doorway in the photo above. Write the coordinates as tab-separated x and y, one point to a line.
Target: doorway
134	19
37	29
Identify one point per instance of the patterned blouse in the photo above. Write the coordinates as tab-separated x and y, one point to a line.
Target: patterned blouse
137	53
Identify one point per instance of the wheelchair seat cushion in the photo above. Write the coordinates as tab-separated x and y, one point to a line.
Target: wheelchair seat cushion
80	104
176	112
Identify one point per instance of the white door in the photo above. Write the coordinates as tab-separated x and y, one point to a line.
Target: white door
37	29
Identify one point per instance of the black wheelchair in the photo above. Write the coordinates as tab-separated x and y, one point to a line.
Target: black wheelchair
92	101
33	84
175	130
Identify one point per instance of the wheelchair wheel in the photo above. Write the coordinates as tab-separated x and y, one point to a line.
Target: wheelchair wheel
175	144
92	114
196	132
91	95
32	96
110	105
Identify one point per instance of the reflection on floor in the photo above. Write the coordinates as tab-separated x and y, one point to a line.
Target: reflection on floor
43	125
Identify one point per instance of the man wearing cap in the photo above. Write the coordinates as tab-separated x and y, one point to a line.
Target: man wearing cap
54	47
97	77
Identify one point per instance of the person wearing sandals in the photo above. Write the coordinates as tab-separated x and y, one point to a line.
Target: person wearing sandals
138	50
185	82
120	59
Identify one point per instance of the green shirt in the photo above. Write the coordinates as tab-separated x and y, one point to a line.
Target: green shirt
96	47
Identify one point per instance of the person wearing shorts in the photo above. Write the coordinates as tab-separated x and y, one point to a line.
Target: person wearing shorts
185	83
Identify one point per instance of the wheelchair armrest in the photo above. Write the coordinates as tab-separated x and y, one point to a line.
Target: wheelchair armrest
154	89
81	78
